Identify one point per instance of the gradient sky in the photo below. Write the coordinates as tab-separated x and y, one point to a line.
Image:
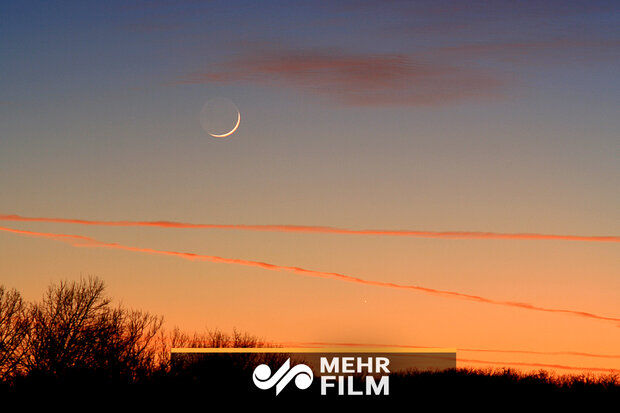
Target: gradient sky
386	115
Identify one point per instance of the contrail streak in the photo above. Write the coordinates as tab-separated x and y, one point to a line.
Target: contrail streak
468	350
82	241
197	344
541	365
324	230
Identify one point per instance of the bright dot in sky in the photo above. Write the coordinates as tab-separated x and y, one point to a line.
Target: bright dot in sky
220	117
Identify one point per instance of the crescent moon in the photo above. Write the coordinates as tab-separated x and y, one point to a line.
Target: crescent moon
232	130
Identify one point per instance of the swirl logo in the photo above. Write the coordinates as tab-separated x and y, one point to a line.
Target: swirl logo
301	373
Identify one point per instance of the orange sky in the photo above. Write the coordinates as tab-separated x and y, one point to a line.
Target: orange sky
556	354
400	173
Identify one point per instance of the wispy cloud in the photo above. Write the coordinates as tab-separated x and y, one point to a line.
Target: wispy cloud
539	51
435	76
461	359
438	53
357	79
460	349
323	230
82	241
540	365
451	17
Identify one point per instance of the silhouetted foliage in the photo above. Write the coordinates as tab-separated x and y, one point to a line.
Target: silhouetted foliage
76	328
13	329
214	339
198	364
75	340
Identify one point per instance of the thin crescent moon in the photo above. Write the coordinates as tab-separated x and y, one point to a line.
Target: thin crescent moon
233	129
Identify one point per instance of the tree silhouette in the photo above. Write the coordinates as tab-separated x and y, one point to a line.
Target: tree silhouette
75	329
13	330
75	347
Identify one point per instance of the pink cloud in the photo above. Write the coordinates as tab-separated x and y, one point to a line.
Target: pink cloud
369	79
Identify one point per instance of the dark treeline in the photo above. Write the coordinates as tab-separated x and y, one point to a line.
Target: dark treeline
75	328
75	342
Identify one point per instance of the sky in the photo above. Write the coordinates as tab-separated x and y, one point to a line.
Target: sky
386	155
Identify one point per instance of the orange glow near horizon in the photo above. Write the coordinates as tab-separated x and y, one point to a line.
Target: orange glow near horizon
567	360
82	241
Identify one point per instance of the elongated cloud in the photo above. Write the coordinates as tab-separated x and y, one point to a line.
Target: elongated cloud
82	241
469	350
541	365
523	364
323	230
359	80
